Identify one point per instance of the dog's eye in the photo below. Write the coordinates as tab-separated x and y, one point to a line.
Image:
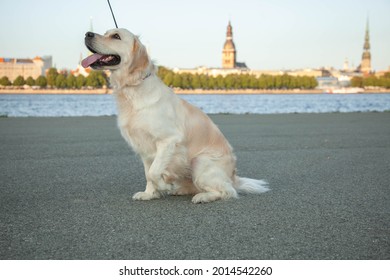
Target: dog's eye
116	36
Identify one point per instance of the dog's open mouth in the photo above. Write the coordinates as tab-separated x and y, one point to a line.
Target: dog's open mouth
98	60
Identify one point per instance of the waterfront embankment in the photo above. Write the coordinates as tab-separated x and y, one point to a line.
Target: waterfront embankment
178	91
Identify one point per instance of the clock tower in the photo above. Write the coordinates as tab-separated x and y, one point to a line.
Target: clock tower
229	50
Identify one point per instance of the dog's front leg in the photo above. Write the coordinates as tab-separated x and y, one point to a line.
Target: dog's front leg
157	172
151	191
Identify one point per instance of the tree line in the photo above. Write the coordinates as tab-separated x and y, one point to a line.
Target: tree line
98	79
61	80
234	81
371	81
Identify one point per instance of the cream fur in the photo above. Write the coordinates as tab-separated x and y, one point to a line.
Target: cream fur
182	150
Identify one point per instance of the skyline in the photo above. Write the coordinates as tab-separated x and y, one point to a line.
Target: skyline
185	34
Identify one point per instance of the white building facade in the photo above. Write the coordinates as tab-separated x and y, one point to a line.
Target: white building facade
25	67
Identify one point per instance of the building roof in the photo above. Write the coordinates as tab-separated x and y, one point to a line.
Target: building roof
24	60
241	65
229	45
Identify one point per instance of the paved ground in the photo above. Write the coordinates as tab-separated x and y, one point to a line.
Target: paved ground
66	186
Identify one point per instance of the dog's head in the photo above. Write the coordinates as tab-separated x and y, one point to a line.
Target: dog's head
116	49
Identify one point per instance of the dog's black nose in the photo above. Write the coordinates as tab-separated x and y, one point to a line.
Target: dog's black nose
89	34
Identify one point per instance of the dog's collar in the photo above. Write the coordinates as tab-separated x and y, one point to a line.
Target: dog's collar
146	76
137	82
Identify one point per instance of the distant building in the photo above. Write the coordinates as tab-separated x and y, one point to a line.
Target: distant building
25	67
328	77
229	60
346	65
229	50
257	73
80	70
201	70
229	53
327	82
365	66
231	66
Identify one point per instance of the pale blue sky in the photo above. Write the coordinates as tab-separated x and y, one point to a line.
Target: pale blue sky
269	34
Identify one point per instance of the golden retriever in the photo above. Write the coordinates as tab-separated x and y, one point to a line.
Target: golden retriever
182	150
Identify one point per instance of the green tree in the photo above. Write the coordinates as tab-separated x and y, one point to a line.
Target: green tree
4	81
270	82
195	82
262	82
278	83
237	81
384	82
370	81
92	80
204	81
103	79
357	82
30	81
80	81
313	82
163	71
96	79
294	82
176	81
212	83
252	82
41	81
51	77
245	81
60	81
71	81
19	81
229	81
387	83
285	80
302	82
220	81
186	81
168	79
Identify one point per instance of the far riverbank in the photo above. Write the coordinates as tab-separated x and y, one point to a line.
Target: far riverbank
177	91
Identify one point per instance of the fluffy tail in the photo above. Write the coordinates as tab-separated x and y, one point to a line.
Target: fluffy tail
248	185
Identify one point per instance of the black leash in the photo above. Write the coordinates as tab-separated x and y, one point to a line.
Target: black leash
112	13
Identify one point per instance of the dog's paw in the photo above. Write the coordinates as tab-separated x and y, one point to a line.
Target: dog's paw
206	197
145	196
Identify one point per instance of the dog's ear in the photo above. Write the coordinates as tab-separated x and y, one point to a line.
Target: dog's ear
140	58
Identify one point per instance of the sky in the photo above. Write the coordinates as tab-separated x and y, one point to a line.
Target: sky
268	34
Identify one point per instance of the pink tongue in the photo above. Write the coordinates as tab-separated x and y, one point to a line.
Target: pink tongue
91	59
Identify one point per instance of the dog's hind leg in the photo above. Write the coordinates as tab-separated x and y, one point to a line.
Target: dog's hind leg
212	182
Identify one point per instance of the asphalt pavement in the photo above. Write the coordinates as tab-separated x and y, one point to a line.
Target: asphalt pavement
66	187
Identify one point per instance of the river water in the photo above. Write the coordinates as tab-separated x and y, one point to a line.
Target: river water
104	105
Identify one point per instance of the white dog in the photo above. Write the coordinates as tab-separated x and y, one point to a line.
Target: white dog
182	150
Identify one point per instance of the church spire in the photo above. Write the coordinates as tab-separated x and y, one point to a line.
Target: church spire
229	32
229	49
365	66
90	24
366	46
